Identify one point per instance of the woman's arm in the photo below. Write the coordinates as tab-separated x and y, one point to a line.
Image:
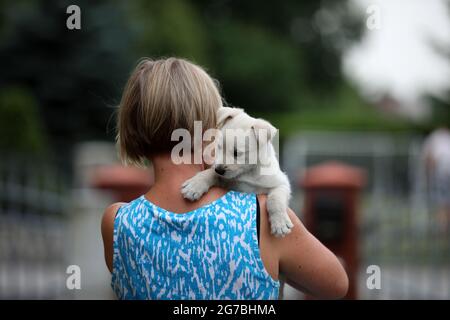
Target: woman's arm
108	232
309	266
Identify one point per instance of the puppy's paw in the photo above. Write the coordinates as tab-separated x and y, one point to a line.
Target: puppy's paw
280	224
194	188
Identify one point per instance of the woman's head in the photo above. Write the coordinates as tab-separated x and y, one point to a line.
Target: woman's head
159	97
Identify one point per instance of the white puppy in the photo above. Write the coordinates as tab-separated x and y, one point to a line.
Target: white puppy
245	161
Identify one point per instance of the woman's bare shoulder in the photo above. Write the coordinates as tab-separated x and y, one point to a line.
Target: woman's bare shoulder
265	223
110	213
107	228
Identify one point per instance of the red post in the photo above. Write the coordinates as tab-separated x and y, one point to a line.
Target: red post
126	183
331	212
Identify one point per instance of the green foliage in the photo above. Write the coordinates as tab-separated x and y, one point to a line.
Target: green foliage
168	28
279	59
73	74
287	26
259	71
343	111
20	123
440	109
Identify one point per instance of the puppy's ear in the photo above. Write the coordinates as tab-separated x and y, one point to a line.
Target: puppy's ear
226	113
263	130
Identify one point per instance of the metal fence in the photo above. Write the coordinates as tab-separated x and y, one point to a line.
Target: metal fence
398	228
33	242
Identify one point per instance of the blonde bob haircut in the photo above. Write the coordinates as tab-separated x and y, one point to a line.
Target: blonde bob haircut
159	97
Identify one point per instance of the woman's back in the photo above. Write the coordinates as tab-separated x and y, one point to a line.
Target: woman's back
208	253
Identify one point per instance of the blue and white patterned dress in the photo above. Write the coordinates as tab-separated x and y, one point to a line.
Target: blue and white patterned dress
209	253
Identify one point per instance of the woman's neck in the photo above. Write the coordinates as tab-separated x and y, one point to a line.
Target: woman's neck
168	178
166	190
168	173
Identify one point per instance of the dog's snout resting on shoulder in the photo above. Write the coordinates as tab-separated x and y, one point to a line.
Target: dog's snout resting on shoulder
245	161
220	170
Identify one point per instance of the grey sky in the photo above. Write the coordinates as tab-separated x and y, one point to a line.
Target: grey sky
398	56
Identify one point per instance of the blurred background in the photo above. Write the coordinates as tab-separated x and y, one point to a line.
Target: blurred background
360	91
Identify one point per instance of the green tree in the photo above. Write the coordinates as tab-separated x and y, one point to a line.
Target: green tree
270	56
74	74
275	56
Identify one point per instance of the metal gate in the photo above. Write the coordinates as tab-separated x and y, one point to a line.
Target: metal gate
33	203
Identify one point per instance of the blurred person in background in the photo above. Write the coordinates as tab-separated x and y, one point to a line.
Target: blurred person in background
436	151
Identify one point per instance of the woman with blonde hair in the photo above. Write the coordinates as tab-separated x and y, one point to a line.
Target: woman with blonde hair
161	246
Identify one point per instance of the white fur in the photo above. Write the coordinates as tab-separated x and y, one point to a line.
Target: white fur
246	177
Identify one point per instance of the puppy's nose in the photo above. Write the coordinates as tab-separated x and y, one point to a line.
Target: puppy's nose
219	170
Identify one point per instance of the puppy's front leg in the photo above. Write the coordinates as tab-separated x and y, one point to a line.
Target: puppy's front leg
277	205
196	186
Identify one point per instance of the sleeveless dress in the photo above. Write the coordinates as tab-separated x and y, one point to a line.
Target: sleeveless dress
208	253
